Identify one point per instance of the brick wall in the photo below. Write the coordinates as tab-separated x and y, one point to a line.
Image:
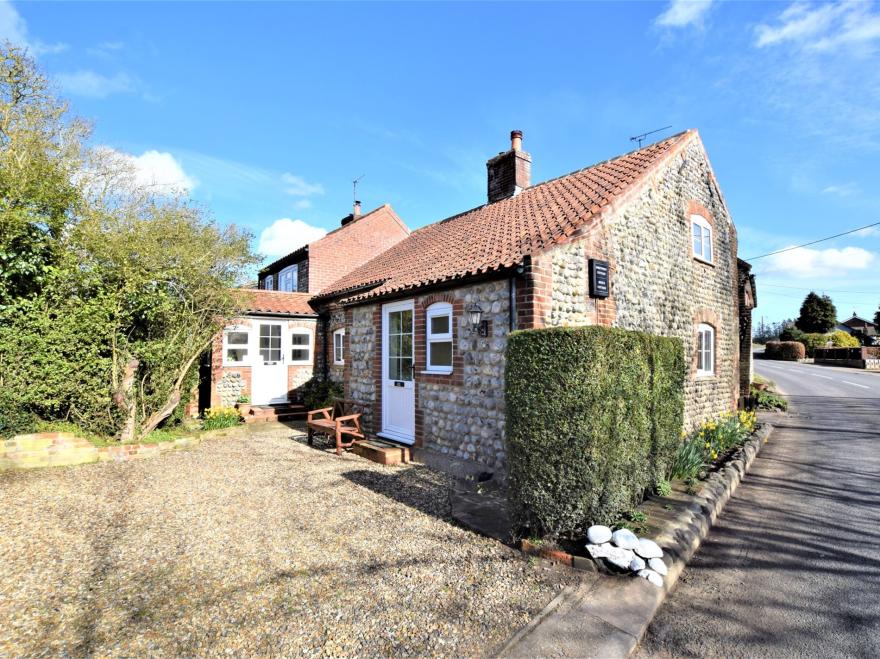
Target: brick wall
346	248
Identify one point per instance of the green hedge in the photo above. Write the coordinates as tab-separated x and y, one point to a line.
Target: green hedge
594	418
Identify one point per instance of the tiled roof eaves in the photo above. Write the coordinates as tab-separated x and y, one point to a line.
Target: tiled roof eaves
378	293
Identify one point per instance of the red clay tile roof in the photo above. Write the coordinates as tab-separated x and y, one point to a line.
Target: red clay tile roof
280	302
500	235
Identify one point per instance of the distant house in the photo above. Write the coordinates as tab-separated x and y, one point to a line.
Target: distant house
415	325
856	324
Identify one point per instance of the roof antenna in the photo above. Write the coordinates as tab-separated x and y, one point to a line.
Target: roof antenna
641	138
354	188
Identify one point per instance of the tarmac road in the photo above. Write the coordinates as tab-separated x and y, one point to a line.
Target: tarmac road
792	568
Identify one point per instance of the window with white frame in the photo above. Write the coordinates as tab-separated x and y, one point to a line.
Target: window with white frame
339	346
439	337
701	232
300	346
288	279
235	347
705	350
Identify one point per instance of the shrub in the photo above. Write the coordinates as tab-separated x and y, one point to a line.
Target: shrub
220	417
790	333
813	341
767	400
785	350
840	339
594	417
318	393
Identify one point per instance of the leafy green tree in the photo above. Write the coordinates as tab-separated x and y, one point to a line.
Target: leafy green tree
818	314
40	153
877	317
109	291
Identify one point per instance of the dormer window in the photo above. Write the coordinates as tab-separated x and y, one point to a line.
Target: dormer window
701	231
287	279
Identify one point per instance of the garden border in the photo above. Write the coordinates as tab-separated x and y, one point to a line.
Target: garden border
607	616
66	449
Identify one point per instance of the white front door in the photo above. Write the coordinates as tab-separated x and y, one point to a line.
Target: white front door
398	390
269	376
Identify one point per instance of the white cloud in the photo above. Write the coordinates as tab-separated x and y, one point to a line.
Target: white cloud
13	28
93	84
157	170
682	13
285	235
868	232
805	262
302	204
842	189
822	27
299	187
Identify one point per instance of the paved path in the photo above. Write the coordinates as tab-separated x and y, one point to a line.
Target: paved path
792	569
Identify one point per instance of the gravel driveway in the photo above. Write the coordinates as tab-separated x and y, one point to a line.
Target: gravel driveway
257	545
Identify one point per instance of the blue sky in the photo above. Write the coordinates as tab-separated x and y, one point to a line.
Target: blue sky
266	112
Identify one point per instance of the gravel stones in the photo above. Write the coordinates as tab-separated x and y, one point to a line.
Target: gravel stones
598	534
257	546
625	539
648	549
652	576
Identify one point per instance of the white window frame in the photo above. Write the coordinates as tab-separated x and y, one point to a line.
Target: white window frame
435	311
309	347
246	345
268	282
705	350
289	274
706	253
339	346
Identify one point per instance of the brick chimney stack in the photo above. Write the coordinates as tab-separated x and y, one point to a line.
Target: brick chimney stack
509	173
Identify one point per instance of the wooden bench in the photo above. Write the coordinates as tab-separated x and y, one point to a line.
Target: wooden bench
334	422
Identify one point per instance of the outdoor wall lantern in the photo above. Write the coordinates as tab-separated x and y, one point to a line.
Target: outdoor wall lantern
478	325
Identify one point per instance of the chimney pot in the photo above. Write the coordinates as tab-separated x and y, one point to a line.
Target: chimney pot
516	140
510	172
357	209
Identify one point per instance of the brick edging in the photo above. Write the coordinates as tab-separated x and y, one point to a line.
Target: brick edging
680	538
64	449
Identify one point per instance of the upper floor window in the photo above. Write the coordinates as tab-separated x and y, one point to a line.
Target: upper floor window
705	350
269	283
235	347
300	346
339	346
287	279
439	337
701	231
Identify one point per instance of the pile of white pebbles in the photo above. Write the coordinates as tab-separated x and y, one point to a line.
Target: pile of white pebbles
624	550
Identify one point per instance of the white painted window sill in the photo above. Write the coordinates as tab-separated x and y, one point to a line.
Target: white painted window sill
702	260
436	372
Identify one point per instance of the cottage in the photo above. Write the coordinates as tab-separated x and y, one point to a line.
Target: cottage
278	343
417	333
